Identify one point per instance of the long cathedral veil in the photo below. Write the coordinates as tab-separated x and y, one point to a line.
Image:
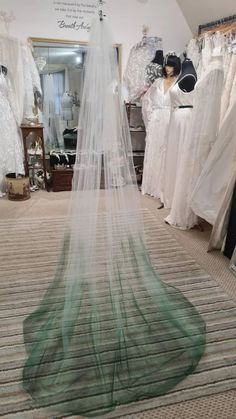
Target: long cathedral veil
108	331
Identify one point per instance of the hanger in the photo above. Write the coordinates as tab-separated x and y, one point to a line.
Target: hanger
7	19
222	28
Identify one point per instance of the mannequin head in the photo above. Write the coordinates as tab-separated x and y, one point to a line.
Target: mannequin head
159	57
172	65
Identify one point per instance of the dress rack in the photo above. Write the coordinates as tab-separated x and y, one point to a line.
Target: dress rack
220	23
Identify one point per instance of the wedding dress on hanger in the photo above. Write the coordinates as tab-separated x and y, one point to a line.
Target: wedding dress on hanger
212	186
11	58
22	73
11	151
135	72
193	52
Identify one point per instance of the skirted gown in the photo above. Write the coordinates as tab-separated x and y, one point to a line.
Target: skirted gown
211	187
179	129
11	155
197	143
156	140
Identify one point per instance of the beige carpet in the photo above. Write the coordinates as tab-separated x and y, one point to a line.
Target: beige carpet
28	254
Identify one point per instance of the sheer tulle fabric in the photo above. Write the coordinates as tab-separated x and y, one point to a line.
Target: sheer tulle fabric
108	331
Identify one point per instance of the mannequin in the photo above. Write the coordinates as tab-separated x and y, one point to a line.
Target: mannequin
181	95
66	107
159	57
188	76
171	69
156	111
155	68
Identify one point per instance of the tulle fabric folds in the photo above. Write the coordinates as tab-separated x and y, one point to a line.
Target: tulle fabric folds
108	331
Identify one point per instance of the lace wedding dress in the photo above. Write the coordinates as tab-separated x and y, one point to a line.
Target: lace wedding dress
156	139
135	72
11	152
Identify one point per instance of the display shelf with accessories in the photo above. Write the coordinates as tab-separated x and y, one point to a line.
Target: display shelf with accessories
138	135
34	156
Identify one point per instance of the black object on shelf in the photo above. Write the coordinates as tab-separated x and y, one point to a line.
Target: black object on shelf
70	138
231	235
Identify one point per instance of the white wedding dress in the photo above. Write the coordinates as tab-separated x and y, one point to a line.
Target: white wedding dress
179	129
206	114
211	188
135	72
156	140
147	104
197	143
193	52
11	152
228	85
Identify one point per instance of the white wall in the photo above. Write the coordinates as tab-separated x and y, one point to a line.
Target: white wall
37	18
198	12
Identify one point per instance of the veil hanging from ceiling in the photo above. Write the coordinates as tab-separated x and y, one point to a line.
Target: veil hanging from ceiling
108	331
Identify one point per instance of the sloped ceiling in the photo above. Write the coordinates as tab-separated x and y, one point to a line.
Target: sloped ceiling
197	12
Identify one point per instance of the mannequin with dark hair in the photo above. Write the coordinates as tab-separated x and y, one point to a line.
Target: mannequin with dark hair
188	76
157	110
171	60
171	69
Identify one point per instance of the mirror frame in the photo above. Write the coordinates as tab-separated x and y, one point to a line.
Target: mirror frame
32	40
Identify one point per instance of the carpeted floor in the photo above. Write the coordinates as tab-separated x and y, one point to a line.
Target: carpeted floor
28	254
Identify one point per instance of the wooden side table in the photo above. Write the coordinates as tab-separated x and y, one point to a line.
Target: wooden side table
62	179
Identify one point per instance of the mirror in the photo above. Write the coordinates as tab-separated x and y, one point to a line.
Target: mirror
61	68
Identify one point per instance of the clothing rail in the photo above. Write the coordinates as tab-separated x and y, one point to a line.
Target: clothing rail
211	25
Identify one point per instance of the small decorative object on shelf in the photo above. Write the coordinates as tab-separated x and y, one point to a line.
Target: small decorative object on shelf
138	135
34	152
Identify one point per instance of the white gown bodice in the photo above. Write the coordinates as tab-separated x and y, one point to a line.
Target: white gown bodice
180	98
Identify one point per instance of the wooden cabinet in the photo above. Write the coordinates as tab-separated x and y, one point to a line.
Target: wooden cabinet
34	155
62	179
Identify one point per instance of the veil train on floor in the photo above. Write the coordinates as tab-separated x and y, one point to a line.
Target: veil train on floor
108	331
